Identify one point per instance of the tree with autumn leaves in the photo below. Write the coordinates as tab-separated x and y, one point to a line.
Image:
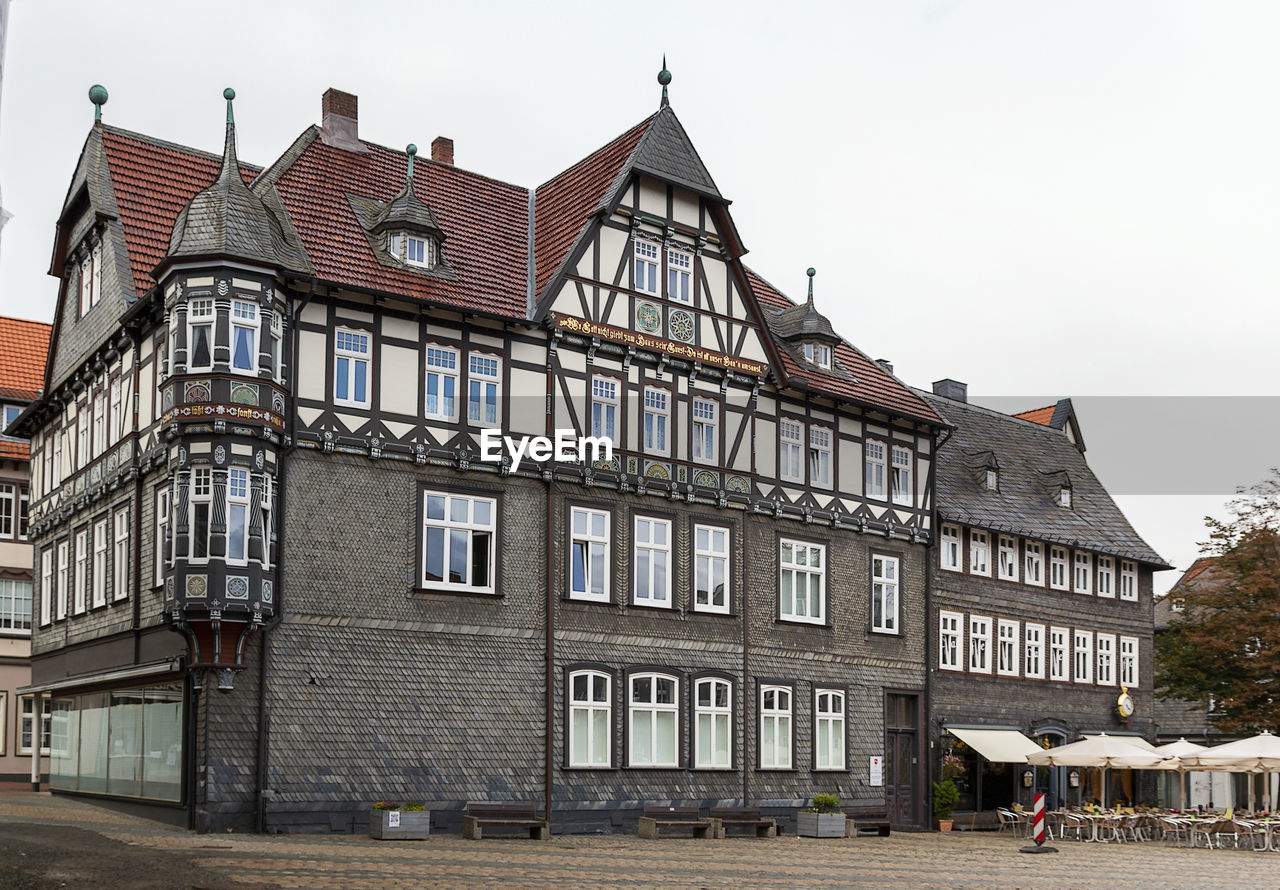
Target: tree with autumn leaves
1225	640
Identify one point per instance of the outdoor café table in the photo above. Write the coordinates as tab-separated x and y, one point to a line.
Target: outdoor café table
1095	820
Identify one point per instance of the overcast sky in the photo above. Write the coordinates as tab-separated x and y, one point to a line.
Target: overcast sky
1041	199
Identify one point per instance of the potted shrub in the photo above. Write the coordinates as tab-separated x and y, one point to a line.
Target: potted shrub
945	797
822	818
394	821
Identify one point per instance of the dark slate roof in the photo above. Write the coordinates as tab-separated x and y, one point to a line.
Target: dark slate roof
666	152
802	322
228	219
407	211
1032	458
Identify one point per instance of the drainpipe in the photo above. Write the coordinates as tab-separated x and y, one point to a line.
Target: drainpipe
929	666
747	701
549	696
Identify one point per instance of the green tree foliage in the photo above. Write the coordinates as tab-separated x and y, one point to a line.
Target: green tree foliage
1225	642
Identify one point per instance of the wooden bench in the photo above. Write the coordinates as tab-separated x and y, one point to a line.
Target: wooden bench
865	820
509	815
680	817
743	817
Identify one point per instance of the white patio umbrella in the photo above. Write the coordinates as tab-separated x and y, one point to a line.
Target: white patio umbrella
1257	754
1178	750
1105	751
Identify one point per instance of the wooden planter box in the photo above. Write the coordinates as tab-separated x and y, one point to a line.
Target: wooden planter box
820	824
400	825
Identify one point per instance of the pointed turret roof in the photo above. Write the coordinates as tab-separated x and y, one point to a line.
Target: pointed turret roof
803	322
228	219
407	211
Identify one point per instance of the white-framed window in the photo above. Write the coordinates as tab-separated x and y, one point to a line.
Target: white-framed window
120	557
99	422
81	456
96	277
818	354
200	315
1064	497
1128	580
1034	649
1058	654
884	594
790	450
712	723
1129	662
979	644
275	333
657	420
647	255
653	716
237	516
201	504
440	383
414	250
86	284
1007	648
458	533
589	554
27	721
1058	568
828	729
993	480
80	600
653	562
268	504
116	422
1106	576
710	568
484	387
1082	643
679	276
352	353
8	414
58	439
979	552
949	641
604	406
1082	576
802	582
590	719
8	510
101	544
1033	563
873	462
64	577
706	430
902	491
161	534
244	336
46	586
949	552
820	456
1106	650
1007	558
15	607
775	727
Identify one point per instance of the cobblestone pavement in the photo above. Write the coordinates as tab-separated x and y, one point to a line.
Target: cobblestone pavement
906	860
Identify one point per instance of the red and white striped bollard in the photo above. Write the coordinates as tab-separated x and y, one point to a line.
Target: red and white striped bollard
1037	820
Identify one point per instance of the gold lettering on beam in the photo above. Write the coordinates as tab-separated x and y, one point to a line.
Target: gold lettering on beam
656	344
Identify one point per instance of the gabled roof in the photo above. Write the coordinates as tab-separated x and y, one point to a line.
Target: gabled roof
1024	504
153	180
666	152
856	379
487	222
26	347
1059	416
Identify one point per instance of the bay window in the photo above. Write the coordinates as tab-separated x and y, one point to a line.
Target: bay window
238	516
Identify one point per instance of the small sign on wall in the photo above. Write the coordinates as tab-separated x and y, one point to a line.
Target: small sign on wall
877	771
393	819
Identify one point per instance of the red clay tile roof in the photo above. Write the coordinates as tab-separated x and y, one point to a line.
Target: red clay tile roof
1041	416
563	203
22	358
1197	568
15	450
486	226
871	384
153	180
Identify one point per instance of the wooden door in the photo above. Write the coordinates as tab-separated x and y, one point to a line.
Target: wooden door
904	787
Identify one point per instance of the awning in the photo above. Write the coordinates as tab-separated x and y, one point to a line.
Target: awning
997	745
158	668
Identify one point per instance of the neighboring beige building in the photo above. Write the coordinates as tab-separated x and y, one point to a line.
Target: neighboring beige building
22	359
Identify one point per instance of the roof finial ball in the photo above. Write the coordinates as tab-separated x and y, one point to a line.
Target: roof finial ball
664	78
411	150
98	96
811	272
229	94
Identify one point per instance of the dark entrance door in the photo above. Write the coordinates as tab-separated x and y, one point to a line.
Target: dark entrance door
903	784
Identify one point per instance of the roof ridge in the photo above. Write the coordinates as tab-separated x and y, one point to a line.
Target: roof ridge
975	406
174	146
420	161
47	324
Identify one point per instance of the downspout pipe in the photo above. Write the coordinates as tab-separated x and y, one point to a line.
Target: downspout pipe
930	667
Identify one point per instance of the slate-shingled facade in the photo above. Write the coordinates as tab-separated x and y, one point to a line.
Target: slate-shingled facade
275	428
1041	610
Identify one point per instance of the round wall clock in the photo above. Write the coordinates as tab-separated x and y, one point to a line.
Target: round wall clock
1124	704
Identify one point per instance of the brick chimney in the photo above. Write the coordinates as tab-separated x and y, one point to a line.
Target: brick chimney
442	149
951	389
339	121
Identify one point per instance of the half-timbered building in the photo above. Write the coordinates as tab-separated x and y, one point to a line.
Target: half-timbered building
310	443
1041	605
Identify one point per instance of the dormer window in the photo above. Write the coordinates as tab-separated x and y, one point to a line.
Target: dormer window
993	480
413	250
818	354
1064	497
